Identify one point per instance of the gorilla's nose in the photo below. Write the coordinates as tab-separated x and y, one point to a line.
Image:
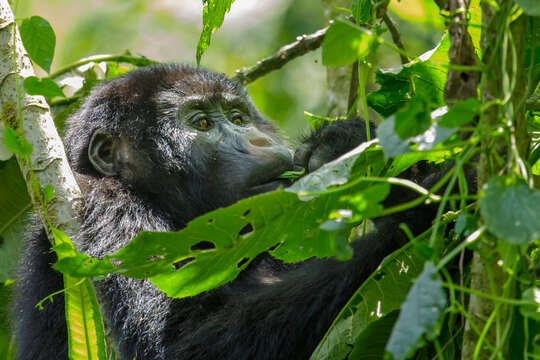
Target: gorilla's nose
260	142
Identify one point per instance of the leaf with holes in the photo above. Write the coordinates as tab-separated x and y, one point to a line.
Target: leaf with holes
214	248
423	79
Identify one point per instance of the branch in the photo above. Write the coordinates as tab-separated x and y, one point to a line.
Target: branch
50	165
396	37
303	45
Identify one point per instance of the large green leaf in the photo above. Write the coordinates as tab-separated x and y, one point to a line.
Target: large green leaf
419	314
237	234
382	293
86	335
39	41
14	203
511	210
11	240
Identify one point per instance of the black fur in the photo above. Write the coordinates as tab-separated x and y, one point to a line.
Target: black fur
271	311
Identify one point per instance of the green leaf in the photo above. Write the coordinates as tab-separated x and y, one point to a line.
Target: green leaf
14	219
11	240
531	311
460	114
39	41
344	43
530	7
48	192
86	335
46	87
412	120
213	15
317	122
419	314
381	294
361	10
17	143
391	143
372	341
511	210
423	78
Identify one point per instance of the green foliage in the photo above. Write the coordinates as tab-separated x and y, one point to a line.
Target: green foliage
510	210
361	10
379	296
345	43
17	143
530	7
155	255
213	15
46	87
419	314
460	114
86	335
39	41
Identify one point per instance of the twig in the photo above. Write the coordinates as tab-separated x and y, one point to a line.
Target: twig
125	58
396	38
303	45
353	90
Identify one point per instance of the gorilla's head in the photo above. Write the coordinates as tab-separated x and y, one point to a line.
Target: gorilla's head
185	139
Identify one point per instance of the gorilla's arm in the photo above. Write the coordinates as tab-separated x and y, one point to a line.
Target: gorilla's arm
40	334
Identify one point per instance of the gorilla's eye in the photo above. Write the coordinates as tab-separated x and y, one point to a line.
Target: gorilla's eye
200	121
203	124
237	118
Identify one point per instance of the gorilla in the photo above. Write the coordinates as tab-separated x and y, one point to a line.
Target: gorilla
152	150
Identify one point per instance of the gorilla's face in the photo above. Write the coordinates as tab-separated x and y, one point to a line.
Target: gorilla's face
198	144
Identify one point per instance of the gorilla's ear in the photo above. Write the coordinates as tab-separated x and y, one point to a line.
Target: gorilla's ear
101	152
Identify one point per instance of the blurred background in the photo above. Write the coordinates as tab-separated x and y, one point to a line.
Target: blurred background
168	30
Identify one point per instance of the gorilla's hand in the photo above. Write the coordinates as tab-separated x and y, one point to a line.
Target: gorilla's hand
330	142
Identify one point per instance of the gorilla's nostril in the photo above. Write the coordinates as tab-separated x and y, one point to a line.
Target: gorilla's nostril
260	142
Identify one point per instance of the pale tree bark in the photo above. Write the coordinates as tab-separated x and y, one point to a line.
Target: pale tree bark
338	78
48	159
486	274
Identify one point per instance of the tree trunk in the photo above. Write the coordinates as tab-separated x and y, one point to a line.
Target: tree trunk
338	78
50	165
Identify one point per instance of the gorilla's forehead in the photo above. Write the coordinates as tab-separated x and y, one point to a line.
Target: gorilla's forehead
173	98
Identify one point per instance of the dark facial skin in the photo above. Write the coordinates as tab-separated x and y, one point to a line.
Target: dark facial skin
249	159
